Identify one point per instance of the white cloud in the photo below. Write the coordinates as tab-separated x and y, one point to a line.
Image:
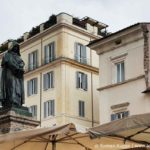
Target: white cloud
17	16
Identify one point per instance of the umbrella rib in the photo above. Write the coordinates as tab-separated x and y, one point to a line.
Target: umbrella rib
46	146
25	142
20	144
129	137
136	141
78	142
76	137
66	138
67	143
147	132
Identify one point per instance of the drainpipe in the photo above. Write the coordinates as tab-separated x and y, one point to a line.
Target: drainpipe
40	99
92	105
41	86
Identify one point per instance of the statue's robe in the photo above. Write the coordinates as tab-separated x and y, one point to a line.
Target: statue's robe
12	83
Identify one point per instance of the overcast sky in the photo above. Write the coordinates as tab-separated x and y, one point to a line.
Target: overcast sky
19	16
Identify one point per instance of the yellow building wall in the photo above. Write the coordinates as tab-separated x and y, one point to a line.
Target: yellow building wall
65	93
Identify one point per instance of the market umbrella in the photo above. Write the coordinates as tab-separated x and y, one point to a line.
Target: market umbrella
56	138
134	128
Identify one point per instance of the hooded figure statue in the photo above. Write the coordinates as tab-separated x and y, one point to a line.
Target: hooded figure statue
12	82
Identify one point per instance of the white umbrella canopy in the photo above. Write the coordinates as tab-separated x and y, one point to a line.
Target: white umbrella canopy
56	138
134	128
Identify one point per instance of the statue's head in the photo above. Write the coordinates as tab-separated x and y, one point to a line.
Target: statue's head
14	46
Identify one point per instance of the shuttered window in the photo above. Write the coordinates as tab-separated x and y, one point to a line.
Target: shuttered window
49	108
49	53
33	110
48	80
81	108
32	87
81	81
80	53
33	60
119	115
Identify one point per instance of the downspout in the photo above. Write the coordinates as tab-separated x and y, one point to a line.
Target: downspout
41	85
40	99
92	104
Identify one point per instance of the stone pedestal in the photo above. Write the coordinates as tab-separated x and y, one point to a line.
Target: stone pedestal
15	119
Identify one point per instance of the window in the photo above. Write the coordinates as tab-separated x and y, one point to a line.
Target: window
32	60
48	80
32	87
81	81
49	53
49	108
33	110
80	53
120	72
81	109
119	115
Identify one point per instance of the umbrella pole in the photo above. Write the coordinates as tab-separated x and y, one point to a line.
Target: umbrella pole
53	145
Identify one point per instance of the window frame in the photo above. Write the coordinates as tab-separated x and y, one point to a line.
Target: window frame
33	60
80	53
120	73
33	110
49	108
120	109
49	50
49	76
81	81
122	114
81	108
114	61
32	87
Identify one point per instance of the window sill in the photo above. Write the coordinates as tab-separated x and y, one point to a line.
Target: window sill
32	95
82	90
49	117
49	89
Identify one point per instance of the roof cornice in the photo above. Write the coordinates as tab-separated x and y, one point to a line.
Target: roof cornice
55	28
114	36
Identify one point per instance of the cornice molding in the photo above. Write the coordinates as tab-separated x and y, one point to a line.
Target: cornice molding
121	83
63	60
55	28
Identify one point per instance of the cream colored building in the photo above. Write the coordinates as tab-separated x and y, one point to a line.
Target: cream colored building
124	72
61	78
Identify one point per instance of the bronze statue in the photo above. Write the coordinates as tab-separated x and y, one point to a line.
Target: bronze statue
12	82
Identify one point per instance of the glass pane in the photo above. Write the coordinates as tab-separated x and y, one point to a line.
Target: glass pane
122	72
118	72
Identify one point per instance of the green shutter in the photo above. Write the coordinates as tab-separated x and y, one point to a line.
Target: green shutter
29	61
28	88
35	110
45	110
53	51
35	86
84	82
83	55
76	51
77	79
45	81
52	79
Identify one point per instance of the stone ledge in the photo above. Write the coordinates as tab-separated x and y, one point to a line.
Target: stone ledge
120	83
15	119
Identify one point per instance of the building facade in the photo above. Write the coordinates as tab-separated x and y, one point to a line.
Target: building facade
62	74
124	72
